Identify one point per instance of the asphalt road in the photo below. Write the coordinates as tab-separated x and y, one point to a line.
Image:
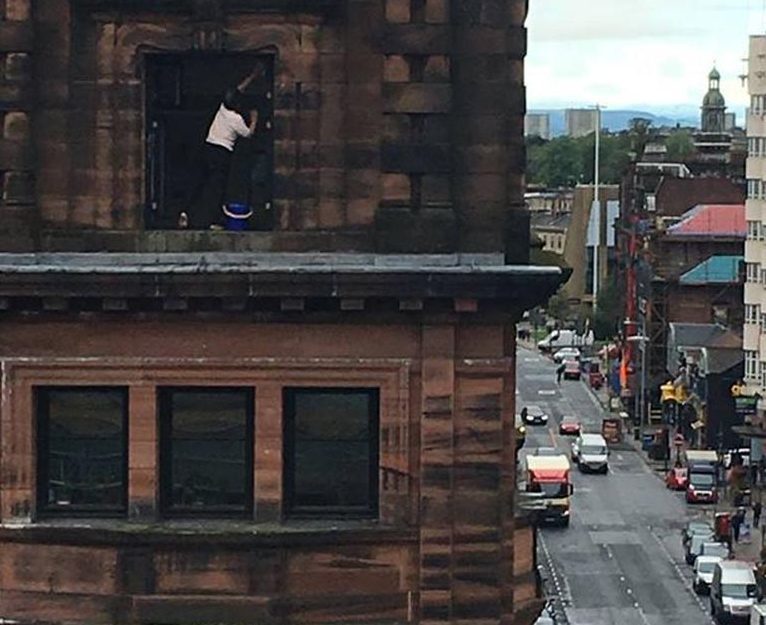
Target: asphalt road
620	561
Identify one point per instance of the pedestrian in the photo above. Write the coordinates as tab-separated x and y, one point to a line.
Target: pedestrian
231	122
753	474
559	372
756	514
736	523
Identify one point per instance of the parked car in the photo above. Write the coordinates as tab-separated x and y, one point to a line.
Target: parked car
571	370
694	547
569	426
693	528
534	415
715	549
677	478
701	488
566	353
733	591
591	453
703	573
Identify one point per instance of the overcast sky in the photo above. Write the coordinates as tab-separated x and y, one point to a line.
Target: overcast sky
625	53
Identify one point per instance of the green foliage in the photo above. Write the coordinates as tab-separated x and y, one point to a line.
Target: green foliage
566	162
608	311
558	307
680	144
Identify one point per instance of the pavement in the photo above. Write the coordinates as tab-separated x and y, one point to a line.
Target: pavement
749	546
621	561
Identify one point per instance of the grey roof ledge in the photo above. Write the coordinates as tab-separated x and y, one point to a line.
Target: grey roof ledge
221	262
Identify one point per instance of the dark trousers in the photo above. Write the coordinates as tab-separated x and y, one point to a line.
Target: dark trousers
211	194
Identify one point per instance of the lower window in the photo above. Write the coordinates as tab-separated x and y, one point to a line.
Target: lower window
82	449
331	452
206	450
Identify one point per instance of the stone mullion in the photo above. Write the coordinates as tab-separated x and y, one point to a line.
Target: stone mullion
436	469
16	163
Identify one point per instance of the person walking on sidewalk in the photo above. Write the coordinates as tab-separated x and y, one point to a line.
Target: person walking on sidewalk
559	372
736	523
756	514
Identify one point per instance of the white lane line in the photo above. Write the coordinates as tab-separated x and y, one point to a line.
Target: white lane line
629	591
546	392
562	588
684	580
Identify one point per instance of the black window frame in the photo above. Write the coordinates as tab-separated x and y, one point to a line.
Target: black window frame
293	511
164	429
41	405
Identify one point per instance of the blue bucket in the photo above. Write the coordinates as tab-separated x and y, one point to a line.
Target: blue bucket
237	216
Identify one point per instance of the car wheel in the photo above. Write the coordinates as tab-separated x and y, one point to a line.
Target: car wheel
605	470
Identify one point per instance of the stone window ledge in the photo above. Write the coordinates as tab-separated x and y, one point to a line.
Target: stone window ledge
216	532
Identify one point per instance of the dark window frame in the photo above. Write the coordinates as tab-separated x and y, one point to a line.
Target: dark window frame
293	511
41	407
164	429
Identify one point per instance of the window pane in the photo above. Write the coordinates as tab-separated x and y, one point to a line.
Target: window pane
331	451
83	451
207	449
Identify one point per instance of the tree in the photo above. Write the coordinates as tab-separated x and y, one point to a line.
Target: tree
606	322
680	145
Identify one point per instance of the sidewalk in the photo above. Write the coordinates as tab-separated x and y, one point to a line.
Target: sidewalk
749	546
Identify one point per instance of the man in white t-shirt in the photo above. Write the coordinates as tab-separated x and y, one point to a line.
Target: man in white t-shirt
231	122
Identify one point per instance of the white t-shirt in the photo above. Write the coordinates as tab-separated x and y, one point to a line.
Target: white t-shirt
226	127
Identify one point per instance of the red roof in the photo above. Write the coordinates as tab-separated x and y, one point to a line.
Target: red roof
712	220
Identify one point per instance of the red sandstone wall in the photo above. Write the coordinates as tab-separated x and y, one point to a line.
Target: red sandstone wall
445	547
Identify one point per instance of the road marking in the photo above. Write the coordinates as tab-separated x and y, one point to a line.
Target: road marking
554	440
546	392
684	580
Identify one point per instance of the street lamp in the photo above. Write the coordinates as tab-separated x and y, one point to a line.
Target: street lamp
642	340
596	207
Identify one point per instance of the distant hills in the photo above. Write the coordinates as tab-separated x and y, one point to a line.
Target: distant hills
616	120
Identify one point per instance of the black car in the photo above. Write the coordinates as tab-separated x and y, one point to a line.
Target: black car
534	415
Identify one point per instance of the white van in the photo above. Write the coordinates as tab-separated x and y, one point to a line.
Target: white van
591	453
758	614
564	338
733	591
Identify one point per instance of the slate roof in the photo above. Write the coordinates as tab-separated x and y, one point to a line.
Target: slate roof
712	220
723	269
675	196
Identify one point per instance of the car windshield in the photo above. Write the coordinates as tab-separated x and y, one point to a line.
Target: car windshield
739	591
551	489
572	420
706	567
547	451
534	410
701	479
593	450
716	549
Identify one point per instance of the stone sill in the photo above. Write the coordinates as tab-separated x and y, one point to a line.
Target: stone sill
105	532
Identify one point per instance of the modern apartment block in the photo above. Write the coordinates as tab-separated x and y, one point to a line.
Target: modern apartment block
754	342
580	122
537	125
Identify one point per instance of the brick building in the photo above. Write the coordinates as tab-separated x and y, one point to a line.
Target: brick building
308	422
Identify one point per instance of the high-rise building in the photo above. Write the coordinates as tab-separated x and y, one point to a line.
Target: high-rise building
537	125
754	340
580	122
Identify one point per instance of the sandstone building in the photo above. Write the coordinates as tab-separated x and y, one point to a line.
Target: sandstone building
308	422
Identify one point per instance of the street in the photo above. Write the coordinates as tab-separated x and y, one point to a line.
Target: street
620	562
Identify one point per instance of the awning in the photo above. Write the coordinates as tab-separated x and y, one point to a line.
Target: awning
749	431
